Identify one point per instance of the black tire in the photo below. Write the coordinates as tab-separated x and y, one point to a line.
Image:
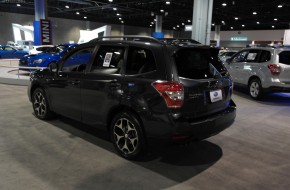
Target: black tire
127	135
255	89
40	105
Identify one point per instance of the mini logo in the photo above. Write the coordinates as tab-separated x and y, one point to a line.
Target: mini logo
216	94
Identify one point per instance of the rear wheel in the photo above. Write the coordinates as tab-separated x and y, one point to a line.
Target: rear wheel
127	135
255	89
40	105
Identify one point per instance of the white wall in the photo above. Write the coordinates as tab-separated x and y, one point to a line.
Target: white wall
256	35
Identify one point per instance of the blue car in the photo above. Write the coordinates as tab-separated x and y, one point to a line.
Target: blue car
8	52
45	58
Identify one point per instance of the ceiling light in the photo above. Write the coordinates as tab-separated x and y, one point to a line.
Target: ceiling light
232	28
118	14
120	18
254	13
275	19
18	5
236	18
150	24
273	26
224	4
110	0
188	20
85	17
258	22
177	26
162	10
182	24
154	19
67	6
212	24
243	25
77	13
280	6
122	21
167	2
174	28
114	8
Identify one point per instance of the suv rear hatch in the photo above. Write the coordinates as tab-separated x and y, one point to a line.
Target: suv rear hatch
284	60
207	85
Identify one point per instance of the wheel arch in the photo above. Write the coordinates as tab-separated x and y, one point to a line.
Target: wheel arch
253	77
119	109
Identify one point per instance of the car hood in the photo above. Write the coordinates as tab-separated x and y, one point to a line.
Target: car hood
41	56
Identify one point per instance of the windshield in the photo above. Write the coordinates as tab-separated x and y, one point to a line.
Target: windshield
198	63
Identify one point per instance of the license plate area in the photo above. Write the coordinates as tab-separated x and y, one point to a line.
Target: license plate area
216	95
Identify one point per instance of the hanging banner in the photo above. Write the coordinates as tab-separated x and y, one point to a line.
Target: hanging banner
45	32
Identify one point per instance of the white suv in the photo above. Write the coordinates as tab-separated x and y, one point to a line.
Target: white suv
262	69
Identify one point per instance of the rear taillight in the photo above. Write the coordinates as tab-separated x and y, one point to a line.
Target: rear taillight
274	69
172	92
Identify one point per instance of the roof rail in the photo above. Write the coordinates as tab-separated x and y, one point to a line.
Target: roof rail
178	41
128	37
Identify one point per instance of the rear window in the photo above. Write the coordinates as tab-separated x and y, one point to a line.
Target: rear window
284	57
197	63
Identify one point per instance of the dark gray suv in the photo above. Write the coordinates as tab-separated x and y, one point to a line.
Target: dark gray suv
141	90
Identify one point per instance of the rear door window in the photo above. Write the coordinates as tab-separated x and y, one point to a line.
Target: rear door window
196	63
140	60
265	56
284	57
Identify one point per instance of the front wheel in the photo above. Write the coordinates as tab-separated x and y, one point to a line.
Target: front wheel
127	135
40	105
255	89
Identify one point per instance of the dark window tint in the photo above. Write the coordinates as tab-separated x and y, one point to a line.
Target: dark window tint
77	62
284	57
109	60
198	63
140	60
228	53
265	56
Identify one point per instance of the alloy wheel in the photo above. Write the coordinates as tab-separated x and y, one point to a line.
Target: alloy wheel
254	89
39	104
125	136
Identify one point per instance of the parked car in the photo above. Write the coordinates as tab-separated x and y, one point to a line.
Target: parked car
261	69
45	58
39	49
226	55
140	90
8	52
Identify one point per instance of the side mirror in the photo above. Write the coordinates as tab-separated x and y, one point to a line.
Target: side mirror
53	67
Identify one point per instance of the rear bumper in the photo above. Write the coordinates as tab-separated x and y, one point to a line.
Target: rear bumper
277	89
183	130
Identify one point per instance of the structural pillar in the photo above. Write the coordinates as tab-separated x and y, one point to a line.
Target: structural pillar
201	21
42	26
158	27
217	36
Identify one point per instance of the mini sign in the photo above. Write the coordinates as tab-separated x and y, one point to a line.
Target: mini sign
45	32
239	38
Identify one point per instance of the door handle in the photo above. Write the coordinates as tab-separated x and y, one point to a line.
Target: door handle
114	84
74	82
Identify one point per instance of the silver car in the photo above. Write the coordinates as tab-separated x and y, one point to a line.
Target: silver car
262	70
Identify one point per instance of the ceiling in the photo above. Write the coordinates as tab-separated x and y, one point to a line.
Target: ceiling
236	15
